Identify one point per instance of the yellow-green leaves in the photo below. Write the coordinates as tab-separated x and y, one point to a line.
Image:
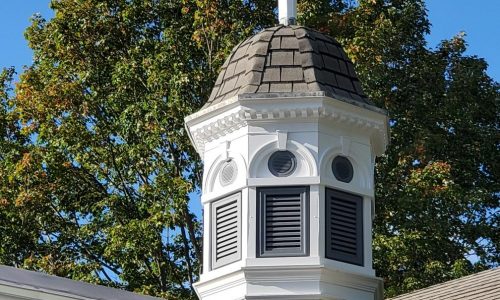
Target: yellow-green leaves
96	169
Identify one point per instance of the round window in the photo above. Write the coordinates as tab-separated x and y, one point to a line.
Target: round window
342	169
282	163
228	173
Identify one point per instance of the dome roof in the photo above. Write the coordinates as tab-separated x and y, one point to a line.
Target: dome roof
288	59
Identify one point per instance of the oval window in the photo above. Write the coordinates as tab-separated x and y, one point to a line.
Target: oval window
228	173
282	163
342	169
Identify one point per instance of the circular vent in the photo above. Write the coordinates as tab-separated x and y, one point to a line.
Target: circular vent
342	169
228	173
282	163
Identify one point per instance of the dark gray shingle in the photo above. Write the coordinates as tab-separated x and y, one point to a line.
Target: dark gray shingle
288	59
52	284
480	286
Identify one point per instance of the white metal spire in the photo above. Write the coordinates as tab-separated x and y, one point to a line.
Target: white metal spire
287	11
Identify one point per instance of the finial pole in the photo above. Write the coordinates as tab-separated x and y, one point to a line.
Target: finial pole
287	11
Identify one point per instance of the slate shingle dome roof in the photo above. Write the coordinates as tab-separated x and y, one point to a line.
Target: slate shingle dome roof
288	59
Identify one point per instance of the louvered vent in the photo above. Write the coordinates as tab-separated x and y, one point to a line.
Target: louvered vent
283	221
342	169
282	163
226	231
344	227
228	173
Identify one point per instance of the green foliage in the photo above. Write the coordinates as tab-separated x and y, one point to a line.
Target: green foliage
97	169
96	187
438	184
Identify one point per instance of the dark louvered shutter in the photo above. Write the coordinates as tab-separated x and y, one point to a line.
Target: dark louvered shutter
344	227
283	221
226	230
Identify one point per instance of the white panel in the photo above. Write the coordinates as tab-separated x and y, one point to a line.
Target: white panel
226	231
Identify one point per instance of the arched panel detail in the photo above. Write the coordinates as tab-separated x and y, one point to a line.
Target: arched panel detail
211	181
306	163
362	176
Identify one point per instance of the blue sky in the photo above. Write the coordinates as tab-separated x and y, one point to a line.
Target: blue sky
480	21
14	18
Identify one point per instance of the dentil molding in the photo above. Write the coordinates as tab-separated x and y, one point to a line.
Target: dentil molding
249	111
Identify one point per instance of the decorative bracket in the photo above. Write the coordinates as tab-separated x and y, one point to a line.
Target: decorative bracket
226	145
282	139
346	145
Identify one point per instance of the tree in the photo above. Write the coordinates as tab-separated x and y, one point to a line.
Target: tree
438	184
97	169
102	169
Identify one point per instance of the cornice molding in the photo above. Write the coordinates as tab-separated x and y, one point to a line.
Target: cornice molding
223	124
256	276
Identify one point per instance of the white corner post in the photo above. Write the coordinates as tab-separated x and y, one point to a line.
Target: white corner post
287	12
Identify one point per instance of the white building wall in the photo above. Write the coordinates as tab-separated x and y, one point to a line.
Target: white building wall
315	131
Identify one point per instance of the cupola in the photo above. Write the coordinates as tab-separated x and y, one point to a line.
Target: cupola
288	139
